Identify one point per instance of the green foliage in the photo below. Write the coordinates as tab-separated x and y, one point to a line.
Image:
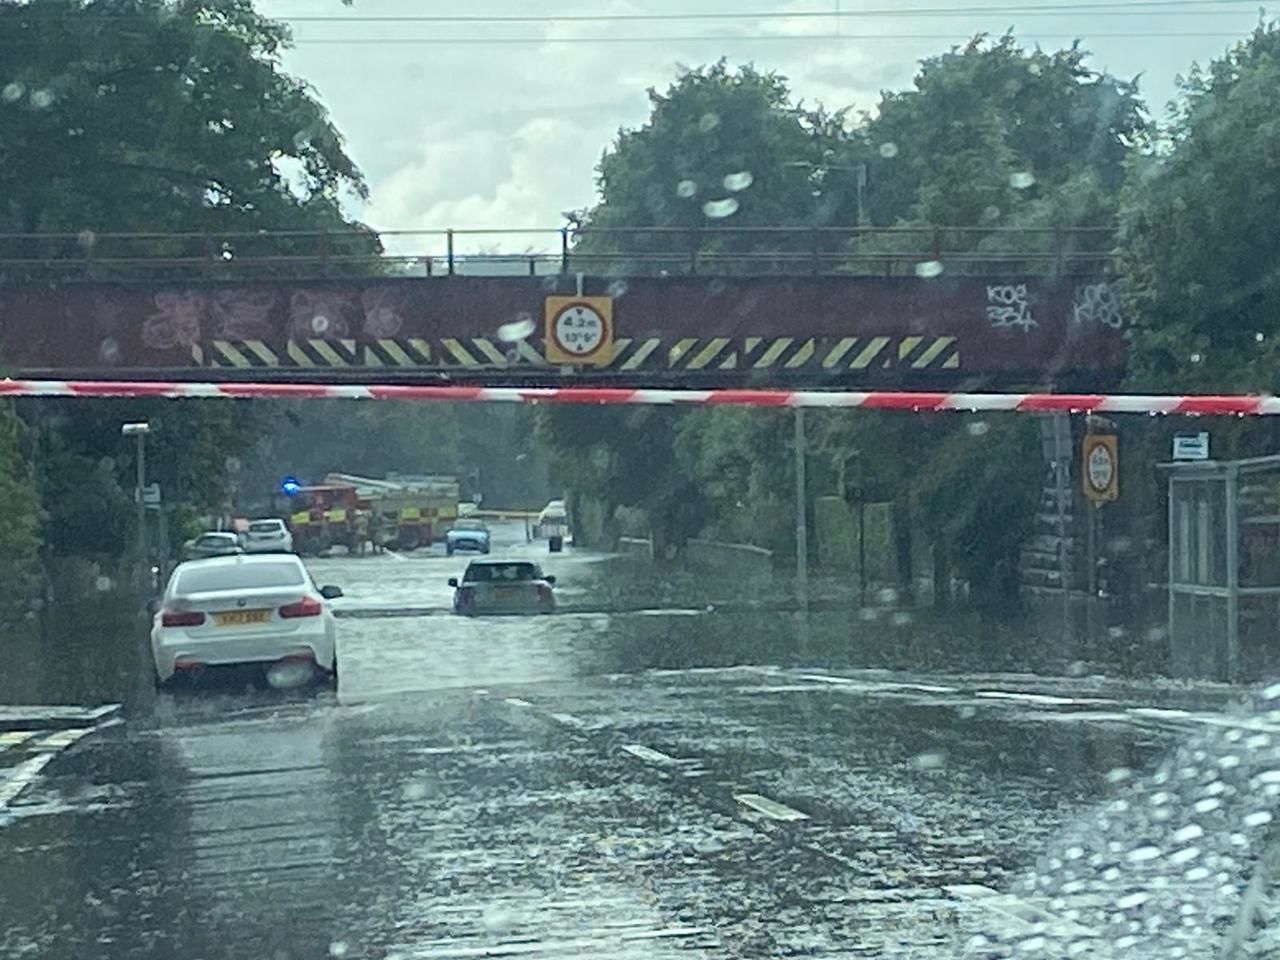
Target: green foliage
19	518
1201	230
154	115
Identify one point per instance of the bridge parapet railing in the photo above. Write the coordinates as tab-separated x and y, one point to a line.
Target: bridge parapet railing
596	250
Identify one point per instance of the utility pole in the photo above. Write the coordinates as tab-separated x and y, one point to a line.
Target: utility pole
802	532
140	430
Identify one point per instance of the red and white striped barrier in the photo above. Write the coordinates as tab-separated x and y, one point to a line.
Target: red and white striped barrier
1193	405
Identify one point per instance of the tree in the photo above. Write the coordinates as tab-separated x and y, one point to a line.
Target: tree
1200	228
158	116
19	518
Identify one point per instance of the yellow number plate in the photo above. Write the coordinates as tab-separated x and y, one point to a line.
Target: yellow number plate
235	618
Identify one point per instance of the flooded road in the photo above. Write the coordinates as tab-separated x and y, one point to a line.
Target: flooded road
665	781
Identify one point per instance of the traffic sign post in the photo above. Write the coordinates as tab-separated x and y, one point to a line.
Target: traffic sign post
579	331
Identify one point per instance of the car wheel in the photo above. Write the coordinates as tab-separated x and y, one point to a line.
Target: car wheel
331	677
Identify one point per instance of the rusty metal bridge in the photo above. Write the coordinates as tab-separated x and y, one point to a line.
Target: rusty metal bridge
901	308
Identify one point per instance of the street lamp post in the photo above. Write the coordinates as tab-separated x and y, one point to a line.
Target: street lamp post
140	430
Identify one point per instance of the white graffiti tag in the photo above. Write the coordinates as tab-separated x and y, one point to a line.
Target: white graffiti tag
176	320
1007	306
1096	303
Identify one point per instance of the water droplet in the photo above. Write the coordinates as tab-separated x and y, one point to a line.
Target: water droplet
319	323
1186	855
967	712
1161	797
1196	358
1192	831
1259	336
709	122
1268	776
1073	853
1258	741
1214	789
734	182
338	949
1143	854
1257	819
929	269
1034	69
103	584
1136	899
932	760
618	288
1228	761
978	428
12	92
1197	873
1272	692
1206	805
1119	774
719	209
109	350
686	189
86	238
288	674
887	595
888	149
42	99
518	329
1022	180
901	618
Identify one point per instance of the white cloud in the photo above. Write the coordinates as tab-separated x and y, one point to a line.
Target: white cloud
471	135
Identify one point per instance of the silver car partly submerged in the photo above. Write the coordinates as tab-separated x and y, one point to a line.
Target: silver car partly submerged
503	586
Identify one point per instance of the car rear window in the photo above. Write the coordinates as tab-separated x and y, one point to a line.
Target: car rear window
468	525
236	576
490	572
265	526
216	539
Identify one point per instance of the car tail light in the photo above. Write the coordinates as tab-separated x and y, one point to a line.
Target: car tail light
181	618
306	607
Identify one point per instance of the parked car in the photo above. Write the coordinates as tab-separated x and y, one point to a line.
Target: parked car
243	610
268	536
211	545
467	535
503	586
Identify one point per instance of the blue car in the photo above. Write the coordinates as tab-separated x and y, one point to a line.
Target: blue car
470	535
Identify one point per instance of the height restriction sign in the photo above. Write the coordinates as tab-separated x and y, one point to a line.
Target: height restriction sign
1100	469
579	330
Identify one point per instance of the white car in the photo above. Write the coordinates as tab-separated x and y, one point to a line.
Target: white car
268	536
244	610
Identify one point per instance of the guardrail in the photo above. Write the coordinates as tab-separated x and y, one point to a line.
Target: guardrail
621	251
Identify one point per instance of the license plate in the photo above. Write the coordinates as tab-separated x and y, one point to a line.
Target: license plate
235	618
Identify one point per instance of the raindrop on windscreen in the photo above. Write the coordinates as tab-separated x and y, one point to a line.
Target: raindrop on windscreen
1143	854
1179	857
719	209
1034	69
966	712
887	595
338	949
319	323
109	350
1257	819
290	673
978	428
86	238
929	269
1259	336
888	149
901	618
1196	358
1272	692
1206	805
709	122
1119	775
1135	899
733	182
518	329
1192	831
12	92
42	99
104	584
416	790
686	189
1022	179
930	760
618	288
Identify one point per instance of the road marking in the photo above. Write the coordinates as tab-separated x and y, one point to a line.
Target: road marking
770	808
1043	699
516	702
61	740
14	738
22	776
875	686
648	754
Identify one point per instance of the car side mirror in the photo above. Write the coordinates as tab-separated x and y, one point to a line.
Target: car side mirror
550	578
331	592
453	581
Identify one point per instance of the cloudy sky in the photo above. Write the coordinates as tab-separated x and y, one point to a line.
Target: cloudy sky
486	122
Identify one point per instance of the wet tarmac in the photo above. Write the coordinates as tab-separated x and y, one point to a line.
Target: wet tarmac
668	781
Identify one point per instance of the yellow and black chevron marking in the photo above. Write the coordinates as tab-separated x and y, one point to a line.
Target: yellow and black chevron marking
702	353
483	352
929	353
323	353
242	354
631	354
856	353
410	352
